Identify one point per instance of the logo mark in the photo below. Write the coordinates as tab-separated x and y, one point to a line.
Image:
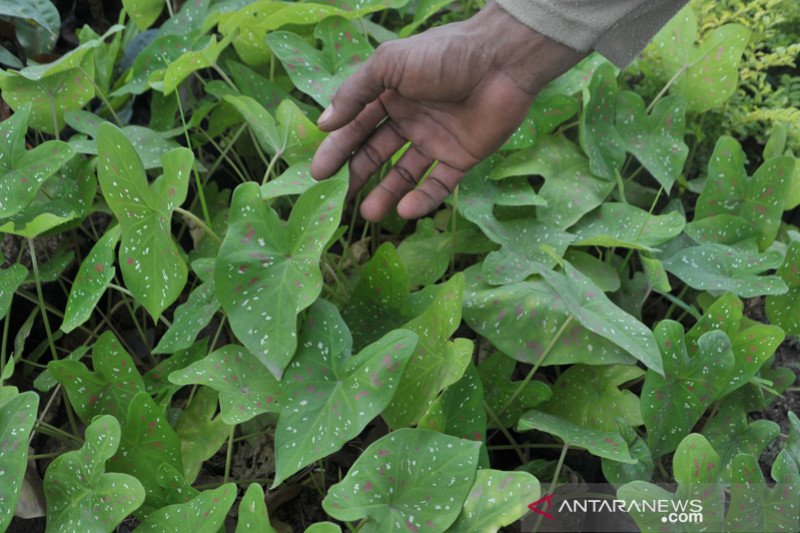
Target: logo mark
545	499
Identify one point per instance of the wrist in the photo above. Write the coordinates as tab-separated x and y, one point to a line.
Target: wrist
520	52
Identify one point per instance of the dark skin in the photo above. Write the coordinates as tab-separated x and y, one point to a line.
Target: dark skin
456	92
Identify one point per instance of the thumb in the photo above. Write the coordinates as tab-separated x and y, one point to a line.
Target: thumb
361	88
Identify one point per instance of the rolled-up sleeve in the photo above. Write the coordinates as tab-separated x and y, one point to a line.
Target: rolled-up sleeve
618	29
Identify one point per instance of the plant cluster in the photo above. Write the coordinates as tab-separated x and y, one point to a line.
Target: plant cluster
180	294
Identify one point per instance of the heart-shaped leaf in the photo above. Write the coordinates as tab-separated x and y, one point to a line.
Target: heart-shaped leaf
673	403
707	73
246	388
96	272
10	280
656	139
190	319
17	416
329	396
22	172
627	226
25	10
784	310
757	199
730	433
150	260
318	73
593	310
200	432
268	271
253	512
757	506
497	499
80	495
496	373
205	513
715	267
696	468
394	482
589	396
602	444
522	319
598	134
147	441
109	389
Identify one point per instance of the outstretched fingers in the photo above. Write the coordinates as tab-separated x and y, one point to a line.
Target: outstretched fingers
355	93
372	154
401	179
440	184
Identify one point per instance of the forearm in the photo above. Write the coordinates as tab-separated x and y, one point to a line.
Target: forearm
618	29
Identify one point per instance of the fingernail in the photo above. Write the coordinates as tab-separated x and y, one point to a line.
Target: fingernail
325	114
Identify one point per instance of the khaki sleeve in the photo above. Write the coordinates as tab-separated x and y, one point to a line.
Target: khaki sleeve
618	29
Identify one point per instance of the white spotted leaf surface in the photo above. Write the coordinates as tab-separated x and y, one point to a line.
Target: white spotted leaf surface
673	403
246	388
108	389
205	513
81	496
268	270
95	273
143	12
253	515
716	267
158	54
497	499
696	469
610	445
627	226
17	416
398	483
190	319
318	73
151	262
495	373
10	280
784	310
655	139
598	134
547	113
330	396
589	396
759	198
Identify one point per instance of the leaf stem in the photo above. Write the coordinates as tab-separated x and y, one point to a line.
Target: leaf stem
200	193
40	296
228	455
505	432
554	483
194	218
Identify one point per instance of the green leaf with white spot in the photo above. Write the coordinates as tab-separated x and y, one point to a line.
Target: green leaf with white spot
655	139
618	473
725	229
730	433
95	273
17	416
600	443
784	310
143	12
190	319
10	280
156	381
330	396
545	115
318	73
246	388
80	495
707	73
268	270
598	134
696	469
164	50
109	389
715	267
673	403
589	396
188	62
495	373
522	319
758	198
323	527
757	506
627	226
22	172
497	499
205	513
201	433
150	260
253	512
394	484
299	136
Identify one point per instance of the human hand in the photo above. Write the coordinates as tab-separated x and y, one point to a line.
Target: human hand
457	92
